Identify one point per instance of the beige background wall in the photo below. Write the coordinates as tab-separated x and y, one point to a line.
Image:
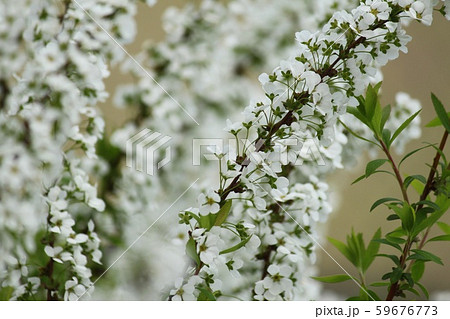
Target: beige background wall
424	69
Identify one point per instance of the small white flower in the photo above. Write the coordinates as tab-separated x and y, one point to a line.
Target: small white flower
62	222
277	279
73	290
50	57
209	203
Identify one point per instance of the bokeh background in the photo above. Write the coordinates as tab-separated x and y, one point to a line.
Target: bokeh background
425	69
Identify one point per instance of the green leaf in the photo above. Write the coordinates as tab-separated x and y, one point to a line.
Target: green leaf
386	242
333	279
444	227
384	117
440	238
392	217
355	134
394	258
236	247
406	214
396	275
417	270
411	178
386	137
6	293
372	295
403	126
382	201
205	295
223	213
356	113
191	251
343	249
359	179
441	113
444	203
371	251
424	290
425	256
436	121
205	221
409	279
379	284
373	165
371	102
412	153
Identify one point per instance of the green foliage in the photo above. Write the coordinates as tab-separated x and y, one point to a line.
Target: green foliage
413	219
441	113
333	279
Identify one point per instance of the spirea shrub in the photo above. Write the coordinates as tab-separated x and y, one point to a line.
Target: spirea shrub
70	209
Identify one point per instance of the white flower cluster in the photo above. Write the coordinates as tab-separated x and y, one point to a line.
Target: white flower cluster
306	93
204	49
53	64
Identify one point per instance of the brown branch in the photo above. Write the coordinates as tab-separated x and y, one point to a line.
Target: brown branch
393	290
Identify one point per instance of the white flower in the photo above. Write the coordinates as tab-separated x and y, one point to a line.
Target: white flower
183	292
233	128
76	239
56	198
50	57
57	254
277	280
73	290
62	222
209	246
209	203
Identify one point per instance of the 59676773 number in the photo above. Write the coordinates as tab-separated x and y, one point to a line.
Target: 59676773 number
406	310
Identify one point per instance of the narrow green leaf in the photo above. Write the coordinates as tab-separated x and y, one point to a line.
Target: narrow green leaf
396	275
396	240
392	217
409	279
356	113
384	117
357	135
223	213
236	247
359	179
371	102
386	242
343	249
417	270
191	251
373	165
205	221
441	113
394	258
425	256
372	295
436	121
406	214
444	227
333	279
424	290
403	126
382	201
440	238
371	251
205	295
414	291
411	178
379	284
412	153
386	136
